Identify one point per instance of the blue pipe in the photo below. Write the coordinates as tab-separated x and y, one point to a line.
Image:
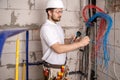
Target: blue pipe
6	34
105	38
27	59
2	41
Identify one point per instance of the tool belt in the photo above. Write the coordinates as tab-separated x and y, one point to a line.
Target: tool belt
46	64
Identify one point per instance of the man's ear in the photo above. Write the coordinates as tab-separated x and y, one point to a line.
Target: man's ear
49	12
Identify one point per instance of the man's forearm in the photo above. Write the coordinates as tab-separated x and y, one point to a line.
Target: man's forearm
63	48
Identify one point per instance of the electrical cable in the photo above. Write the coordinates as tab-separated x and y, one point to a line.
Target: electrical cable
101	22
101	29
87	7
101	32
93	2
93	12
105	38
102	36
86	48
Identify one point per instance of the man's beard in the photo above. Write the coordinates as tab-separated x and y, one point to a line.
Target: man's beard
56	20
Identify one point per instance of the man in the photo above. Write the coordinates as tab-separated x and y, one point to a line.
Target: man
52	39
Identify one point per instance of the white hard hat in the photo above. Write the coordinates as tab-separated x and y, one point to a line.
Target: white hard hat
55	4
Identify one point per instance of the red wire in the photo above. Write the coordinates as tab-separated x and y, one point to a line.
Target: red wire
87	7
101	29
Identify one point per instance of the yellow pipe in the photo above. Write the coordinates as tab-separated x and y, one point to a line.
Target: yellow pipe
17	59
23	71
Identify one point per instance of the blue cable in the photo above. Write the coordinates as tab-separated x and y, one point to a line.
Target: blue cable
105	37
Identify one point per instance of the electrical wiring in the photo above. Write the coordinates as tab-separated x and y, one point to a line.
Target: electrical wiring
103	30
98	39
88	7
102	33
88	51
99	35
105	37
102	26
98	9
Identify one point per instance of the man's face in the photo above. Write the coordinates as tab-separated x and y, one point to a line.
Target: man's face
56	14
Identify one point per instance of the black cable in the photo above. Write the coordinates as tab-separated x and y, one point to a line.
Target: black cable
94	3
86	49
94	10
93	72
85	55
81	62
88	33
89	11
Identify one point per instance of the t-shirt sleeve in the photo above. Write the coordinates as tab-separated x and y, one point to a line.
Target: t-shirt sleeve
50	35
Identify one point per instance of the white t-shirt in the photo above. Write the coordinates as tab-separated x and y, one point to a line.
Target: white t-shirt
50	34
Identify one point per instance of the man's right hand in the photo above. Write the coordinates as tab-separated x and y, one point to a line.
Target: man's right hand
84	41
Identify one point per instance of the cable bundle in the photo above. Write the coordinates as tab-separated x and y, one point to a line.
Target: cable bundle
101	29
105	37
102	32
88	7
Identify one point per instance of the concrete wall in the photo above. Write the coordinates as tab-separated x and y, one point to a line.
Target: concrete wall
31	13
113	70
